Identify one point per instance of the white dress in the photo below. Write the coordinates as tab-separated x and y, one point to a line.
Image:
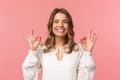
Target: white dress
78	65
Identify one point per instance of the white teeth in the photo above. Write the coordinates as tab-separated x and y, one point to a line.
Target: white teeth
60	30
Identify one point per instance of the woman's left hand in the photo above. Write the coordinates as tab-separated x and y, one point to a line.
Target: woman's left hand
89	41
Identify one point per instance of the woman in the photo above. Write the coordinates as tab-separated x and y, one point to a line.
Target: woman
60	58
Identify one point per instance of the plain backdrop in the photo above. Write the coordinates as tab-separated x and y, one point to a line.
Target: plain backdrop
17	17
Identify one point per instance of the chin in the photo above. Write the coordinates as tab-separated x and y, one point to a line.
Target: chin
60	35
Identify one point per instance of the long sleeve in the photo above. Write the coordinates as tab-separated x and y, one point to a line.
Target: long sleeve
31	66
86	67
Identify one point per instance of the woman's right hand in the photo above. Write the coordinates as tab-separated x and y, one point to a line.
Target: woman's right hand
33	40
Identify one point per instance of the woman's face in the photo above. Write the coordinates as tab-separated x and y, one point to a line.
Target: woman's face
60	25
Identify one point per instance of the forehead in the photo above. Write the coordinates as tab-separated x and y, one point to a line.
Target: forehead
60	16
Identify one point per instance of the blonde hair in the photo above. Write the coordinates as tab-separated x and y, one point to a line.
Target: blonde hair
69	38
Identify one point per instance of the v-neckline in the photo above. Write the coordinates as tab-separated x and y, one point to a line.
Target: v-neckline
59	53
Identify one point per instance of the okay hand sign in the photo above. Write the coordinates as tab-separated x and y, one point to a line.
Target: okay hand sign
33	40
89	41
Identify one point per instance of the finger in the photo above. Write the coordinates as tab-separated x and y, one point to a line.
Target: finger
94	40
83	41
32	31
94	35
26	38
84	38
39	39
29	36
89	34
35	37
93	43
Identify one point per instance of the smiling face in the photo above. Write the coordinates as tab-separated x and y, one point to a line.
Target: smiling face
60	25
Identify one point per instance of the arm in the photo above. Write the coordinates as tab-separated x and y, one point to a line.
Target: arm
86	68
31	66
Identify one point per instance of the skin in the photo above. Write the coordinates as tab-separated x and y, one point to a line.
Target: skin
33	40
60	29
88	41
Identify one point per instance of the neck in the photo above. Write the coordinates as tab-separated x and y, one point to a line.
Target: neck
59	41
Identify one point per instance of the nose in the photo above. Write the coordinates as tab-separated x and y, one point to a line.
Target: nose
60	24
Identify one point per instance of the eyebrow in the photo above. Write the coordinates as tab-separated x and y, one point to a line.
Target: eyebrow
62	20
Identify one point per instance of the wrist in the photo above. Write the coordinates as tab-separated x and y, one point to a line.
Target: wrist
87	50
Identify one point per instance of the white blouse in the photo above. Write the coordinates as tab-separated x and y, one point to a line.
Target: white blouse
78	65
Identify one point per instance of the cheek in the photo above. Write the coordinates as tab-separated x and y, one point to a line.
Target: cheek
67	27
54	25
53	28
